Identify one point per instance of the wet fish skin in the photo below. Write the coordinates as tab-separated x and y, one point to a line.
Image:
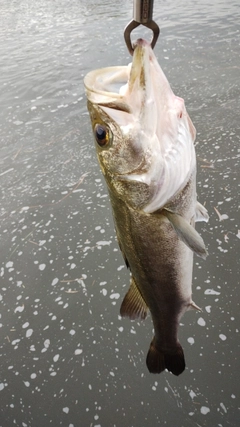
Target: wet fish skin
161	265
155	229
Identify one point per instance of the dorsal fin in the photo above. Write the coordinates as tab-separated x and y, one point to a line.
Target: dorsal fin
133	305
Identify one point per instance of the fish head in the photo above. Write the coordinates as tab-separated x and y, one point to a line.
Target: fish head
144	136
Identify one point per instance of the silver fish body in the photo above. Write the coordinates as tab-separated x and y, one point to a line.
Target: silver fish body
145	147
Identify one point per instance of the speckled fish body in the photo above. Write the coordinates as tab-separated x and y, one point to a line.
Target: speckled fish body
145	147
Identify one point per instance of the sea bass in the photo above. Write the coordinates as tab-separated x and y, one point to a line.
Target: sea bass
145	147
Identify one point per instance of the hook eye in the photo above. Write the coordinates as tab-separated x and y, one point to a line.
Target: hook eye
134	24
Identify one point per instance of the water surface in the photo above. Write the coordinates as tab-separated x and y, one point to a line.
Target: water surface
67	357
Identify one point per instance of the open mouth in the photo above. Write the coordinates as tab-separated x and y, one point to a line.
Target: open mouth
106	83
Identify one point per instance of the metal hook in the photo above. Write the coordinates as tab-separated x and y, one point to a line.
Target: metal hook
132	25
142	15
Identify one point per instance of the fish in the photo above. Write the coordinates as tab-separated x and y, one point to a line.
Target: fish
144	142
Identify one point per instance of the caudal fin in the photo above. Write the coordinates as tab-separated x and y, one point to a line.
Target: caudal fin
157	361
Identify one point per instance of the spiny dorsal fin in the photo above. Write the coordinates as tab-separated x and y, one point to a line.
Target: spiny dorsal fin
133	305
187	233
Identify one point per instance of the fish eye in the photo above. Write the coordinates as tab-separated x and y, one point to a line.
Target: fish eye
103	135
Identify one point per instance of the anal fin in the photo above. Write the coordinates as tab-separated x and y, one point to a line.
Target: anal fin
186	233
133	305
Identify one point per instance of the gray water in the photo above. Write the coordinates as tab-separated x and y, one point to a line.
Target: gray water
67	357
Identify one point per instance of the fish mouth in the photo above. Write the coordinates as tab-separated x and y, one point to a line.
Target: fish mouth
116	87
103	86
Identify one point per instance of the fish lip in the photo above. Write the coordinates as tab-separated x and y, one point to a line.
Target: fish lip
116	105
103	84
140	42
142	56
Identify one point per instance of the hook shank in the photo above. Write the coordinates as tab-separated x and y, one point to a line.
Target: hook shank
142	15
142	11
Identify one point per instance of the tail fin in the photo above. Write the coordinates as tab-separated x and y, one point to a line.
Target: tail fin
157	361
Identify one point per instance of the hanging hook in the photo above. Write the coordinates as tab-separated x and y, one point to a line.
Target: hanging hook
142	15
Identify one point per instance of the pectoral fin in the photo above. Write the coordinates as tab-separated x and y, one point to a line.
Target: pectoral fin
133	305
187	233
